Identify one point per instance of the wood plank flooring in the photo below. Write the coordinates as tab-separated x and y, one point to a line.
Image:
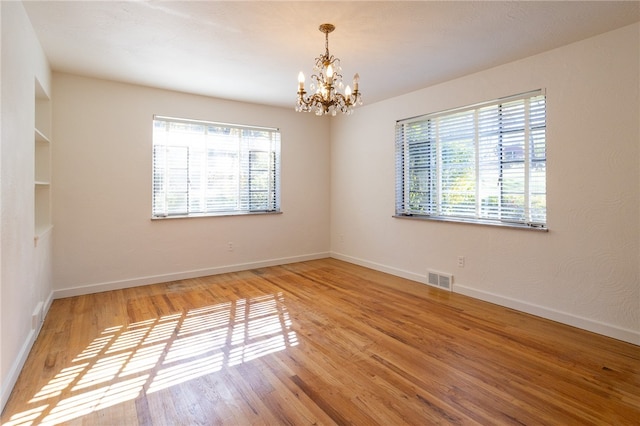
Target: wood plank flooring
321	342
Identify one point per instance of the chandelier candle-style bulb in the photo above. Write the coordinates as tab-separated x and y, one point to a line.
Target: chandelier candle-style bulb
327	77
330	73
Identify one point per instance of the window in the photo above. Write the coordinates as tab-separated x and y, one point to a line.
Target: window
203	169
484	163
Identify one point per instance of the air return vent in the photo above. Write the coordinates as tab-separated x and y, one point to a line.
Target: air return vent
440	280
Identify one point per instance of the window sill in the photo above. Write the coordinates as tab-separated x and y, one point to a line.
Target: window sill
538	228
222	214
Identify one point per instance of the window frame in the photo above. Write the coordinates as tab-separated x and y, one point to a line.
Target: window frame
245	177
420	163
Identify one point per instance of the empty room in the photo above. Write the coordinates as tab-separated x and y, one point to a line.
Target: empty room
318	212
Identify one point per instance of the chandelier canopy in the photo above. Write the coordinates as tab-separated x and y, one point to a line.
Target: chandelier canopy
326	85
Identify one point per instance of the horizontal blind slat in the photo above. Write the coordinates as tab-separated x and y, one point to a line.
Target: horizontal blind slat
472	162
204	167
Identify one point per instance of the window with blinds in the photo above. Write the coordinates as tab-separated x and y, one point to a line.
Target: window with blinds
484	163
204	168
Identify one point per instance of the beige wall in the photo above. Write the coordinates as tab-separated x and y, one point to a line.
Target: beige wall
337	192
25	270
585	270
105	238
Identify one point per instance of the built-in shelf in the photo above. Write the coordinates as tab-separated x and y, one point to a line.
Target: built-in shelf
42	163
41	137
41	233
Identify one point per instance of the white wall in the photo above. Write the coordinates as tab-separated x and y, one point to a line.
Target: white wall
25	275
105	238
585	271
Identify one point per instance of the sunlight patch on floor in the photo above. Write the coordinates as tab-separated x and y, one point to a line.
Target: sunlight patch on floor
158	353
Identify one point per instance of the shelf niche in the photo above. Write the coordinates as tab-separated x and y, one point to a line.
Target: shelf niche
42	162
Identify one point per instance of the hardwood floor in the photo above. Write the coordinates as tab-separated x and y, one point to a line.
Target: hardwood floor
320	342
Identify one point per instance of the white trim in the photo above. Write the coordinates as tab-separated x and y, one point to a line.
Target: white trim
47	305
155	279
609	330
502	100
16	368
422	279
214	123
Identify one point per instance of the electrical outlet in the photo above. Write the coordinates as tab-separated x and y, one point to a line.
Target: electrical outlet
460	261
229	246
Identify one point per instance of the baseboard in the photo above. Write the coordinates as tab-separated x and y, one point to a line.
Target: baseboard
598	327
609	330
47	304
155	279
18	363
12	376
382	268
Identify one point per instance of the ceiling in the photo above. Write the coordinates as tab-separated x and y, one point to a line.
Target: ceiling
252	51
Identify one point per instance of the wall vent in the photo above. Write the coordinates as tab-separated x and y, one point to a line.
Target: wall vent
37	317
440	280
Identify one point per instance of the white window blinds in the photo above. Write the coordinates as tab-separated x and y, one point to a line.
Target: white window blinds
204	168
484	163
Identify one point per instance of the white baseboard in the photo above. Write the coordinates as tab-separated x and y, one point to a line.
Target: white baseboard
12	376
155	279
609	330
594	326
47	304
382	268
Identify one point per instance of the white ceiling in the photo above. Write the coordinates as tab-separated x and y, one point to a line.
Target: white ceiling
253	50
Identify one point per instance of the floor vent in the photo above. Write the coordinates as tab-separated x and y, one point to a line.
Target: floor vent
440	280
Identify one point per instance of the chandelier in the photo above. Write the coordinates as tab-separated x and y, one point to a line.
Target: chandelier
326	85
